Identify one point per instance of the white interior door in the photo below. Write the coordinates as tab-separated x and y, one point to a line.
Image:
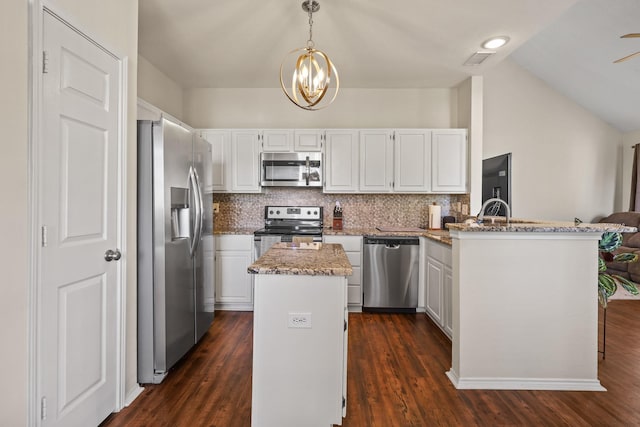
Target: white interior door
79	211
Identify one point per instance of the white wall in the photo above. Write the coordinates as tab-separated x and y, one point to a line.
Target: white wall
626	161
113	23
353	108
470	116
564	160
158	89
13	251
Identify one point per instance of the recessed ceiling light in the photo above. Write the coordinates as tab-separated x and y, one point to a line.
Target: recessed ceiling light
495	42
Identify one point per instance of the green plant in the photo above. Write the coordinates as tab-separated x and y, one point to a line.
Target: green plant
608	283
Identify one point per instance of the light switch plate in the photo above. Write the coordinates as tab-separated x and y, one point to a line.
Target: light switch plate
216	207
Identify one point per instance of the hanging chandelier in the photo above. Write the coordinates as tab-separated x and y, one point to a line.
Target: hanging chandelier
311	78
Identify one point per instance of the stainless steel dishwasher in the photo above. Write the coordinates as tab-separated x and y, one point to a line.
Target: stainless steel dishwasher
390	278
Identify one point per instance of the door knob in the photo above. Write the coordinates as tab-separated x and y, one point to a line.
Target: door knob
110	255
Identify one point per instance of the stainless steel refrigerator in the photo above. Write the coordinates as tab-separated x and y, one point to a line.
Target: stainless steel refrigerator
175	215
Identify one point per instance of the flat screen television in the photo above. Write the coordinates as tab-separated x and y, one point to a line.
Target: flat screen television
496	181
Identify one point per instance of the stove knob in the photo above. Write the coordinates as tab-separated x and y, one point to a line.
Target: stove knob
278	212
308	212
270	212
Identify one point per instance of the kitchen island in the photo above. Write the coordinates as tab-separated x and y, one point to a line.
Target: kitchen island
300	335
525	306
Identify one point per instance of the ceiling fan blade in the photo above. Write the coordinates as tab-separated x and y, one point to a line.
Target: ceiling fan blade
626	57
630	35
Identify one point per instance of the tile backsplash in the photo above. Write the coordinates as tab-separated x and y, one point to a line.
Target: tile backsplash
359	210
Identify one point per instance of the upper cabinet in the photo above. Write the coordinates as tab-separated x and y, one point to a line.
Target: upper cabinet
308	140
288	140
355	160
449	148
277	140
341	161
220	141
412	161
236	154
245	158
376	161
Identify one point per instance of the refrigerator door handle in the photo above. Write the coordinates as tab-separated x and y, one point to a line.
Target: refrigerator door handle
197	226
200	206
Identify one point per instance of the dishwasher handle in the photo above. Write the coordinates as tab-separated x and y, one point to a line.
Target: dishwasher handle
391	241
392	246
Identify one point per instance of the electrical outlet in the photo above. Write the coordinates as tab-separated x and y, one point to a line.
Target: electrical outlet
457	206
299	320
216	207
465	209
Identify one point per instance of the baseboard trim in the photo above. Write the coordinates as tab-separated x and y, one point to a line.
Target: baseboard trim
133	395
557	384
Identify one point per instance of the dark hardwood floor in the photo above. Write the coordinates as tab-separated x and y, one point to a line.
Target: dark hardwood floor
396	377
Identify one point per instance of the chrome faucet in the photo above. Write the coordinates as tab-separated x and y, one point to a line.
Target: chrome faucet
492	201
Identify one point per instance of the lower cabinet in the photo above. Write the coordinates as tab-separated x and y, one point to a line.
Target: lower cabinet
234	286
208	252
353	248
438	284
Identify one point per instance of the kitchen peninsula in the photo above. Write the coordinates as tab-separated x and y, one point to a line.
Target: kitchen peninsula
300	335
525	307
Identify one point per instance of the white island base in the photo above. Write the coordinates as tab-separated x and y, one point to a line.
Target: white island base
299	351
525	310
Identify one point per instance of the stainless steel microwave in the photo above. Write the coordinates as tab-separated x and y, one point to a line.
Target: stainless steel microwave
291	169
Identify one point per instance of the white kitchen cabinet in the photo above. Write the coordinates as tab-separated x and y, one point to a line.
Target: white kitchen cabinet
245	158
234	286
376	161
220	141
438	282
352	246
208	266
447	300
449	148
274	140
308	140
341	161
412	161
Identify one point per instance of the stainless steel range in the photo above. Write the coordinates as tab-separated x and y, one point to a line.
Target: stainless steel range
284	223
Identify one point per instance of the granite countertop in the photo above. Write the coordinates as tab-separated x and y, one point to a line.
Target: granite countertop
235	230
533	226
289	258
437	235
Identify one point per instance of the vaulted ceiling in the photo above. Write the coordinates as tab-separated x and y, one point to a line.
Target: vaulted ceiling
401	44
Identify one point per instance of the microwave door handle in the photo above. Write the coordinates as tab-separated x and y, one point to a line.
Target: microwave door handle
308	171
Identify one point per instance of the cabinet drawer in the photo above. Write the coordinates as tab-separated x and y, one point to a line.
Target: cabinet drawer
355	278
354	295
234	242
349	243
354	258
439	252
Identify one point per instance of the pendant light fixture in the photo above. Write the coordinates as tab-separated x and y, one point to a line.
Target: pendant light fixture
307	76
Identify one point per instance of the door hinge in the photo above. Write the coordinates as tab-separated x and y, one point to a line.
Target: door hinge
345	325
43	236
45	62
344	402
43	408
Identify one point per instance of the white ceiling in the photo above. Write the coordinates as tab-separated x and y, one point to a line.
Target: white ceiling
575	55
401	44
